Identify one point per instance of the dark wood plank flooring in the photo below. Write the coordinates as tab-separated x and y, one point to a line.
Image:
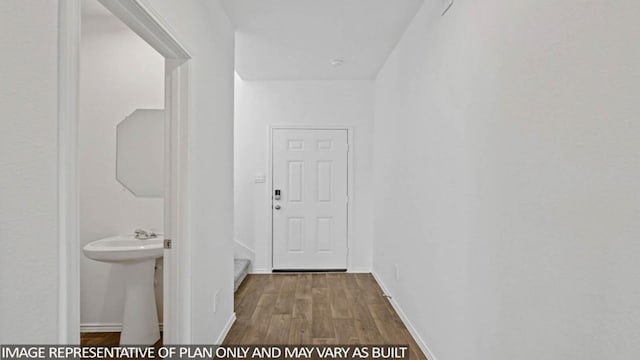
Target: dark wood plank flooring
100	338
106	339
318	308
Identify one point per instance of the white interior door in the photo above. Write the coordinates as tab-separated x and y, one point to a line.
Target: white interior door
309	170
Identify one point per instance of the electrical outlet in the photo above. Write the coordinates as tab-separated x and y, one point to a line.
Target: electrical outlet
397	269
215	301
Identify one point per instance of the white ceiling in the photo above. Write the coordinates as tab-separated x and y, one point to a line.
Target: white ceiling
94	8
296	39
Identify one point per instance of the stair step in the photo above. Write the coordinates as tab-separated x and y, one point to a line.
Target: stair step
240	271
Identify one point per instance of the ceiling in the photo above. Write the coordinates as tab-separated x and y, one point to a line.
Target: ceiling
94	8
297	39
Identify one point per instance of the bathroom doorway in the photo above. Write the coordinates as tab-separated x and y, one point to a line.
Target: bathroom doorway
120	170
86	162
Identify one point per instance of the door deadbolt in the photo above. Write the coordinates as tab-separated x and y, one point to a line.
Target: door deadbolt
276	194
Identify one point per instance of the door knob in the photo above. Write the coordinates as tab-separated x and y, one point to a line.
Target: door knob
277	207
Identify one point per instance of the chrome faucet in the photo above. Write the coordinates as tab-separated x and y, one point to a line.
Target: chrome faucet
144	235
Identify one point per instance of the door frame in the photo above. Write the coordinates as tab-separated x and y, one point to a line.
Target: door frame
350	182
144	21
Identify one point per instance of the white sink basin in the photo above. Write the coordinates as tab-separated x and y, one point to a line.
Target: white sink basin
124	248
138	257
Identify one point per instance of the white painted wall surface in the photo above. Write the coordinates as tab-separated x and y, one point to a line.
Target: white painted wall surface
260	104
205	29
119	73
28	172
507	166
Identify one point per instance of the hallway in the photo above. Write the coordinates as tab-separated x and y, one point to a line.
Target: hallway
492	171
318	308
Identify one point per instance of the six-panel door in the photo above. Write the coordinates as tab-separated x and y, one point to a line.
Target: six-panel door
310	216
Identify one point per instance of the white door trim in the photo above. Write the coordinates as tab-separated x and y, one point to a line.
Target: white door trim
68	224
141	18
350	183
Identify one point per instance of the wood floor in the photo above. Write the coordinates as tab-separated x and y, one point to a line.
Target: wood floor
105	339
322	308
100	339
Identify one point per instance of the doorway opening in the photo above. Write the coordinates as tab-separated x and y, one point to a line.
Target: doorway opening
120	178
141	19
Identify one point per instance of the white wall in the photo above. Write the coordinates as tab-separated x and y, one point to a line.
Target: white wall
28	175
28	172
205	29
507	167
119	73
260	104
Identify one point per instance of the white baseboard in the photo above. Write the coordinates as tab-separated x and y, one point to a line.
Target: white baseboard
352	271
414	333
226	329
103	327
260	271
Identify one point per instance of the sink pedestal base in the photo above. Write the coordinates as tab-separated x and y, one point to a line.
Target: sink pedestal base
140	320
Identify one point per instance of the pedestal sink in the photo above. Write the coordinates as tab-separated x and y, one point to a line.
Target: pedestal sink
140	319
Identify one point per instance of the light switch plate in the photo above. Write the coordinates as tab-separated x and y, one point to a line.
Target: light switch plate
446	5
